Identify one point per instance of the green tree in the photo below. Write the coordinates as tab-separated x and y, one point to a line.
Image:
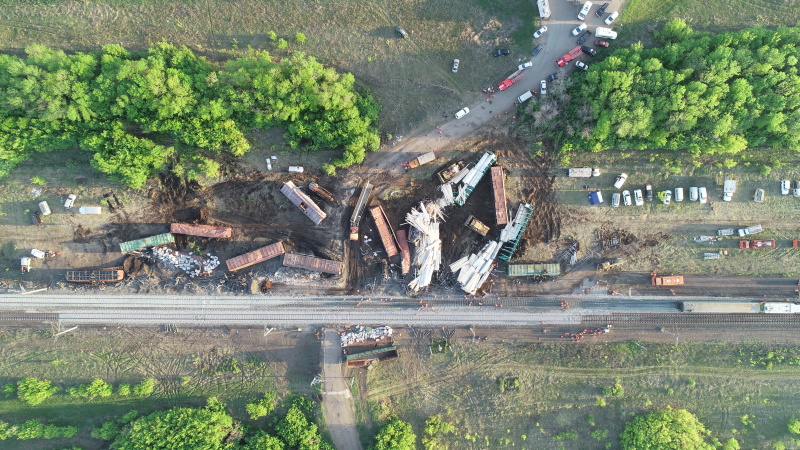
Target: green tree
794	426
665	429
34	391
263	441
261	407
188	428
297	432
395	435
97	388
124	390
300	38
145	388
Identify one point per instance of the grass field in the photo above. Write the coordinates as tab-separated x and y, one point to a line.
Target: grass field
560	384
411	77
189	365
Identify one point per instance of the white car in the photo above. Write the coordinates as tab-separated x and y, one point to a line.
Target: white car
581	65
637	197
462	113
667	197
612	17
692	194
524	66
796	190
626	197
579	29
620	180
585	10
456	62
786	186
539	32
702	194
543	88
678	194
615	199
69	201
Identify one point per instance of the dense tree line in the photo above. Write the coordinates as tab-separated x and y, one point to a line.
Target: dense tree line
697	93
139	113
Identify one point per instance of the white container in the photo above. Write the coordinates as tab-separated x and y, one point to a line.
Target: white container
37	253
296	169
69	201
90	210
45	208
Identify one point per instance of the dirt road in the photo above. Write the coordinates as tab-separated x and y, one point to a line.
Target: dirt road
337	403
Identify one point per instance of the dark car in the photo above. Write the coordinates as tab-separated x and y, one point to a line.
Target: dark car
601	43
36	218
502	51
588	50
649	190
401	32
552	76
602	10
584	37
537	50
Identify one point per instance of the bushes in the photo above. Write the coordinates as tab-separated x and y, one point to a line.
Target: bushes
144	388
34	429
34	391
261	407
98	388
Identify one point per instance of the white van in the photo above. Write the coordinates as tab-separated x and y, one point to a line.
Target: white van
678	194
527	95
703	194
45	208
693	194
585	10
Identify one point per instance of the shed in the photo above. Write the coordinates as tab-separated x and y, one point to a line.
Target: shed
312	263
200	230
304	202
595	197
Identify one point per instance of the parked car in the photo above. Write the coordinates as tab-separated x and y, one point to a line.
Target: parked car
667	197
539	32
401	32
615	199
552	76
525	65
502	52
537	49
702	194
588	50
543	88
462	113
626	197
581	65
620	180
649	191
600	43
786	186
796	190
579	29
692	194
69	201
584	37
637	197
612	17
760	195
679	194
585	10
36	218
602	10
456	62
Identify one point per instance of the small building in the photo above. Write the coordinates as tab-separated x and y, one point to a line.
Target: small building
207	231
312	263
152	241
256	256
304	202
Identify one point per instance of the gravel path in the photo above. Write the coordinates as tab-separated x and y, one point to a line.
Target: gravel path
337	403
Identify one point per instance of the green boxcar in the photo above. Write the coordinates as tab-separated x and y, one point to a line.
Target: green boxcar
532	270
151	241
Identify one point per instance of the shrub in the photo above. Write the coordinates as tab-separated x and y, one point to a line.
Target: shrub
97	388
124	390
145	388
34	391
300	38
261	407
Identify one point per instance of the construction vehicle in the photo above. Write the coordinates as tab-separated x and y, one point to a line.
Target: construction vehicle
450	171
609	263
758	243
476	225
25	264
109	275
420	160
673	280
583	172
322	192
355	219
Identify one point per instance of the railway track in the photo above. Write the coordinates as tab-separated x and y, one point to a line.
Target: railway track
22	316
693	319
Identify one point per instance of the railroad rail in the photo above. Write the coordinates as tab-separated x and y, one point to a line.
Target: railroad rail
22	316
693	319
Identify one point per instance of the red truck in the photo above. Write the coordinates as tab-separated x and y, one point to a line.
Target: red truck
761	243
574	53
673	280
516	76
